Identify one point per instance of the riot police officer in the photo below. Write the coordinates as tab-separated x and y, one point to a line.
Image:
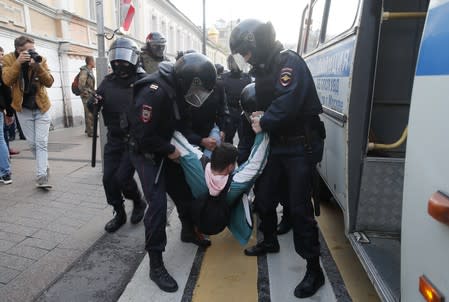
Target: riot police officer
115	96
289	112
153	52
234	81
153	119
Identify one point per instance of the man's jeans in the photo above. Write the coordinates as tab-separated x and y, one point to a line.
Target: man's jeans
35	127
5	167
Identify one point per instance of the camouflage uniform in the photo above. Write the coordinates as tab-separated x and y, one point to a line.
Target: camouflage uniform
87	87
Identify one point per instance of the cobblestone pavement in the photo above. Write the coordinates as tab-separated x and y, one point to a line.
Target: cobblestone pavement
43	232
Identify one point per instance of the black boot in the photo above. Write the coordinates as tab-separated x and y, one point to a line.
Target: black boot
312	281
263	247
159	274
139	207
284	226
119	219
188	234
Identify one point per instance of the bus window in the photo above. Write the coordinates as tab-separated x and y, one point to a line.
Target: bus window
315	25
341	17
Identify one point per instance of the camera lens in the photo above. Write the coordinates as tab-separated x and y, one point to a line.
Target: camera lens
35	56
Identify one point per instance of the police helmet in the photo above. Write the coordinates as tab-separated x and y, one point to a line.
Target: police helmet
255	37
248	101
155	44
123	56
195	77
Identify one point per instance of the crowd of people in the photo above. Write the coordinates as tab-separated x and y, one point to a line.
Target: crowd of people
175	124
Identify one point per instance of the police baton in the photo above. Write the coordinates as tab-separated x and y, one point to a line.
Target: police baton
159	170
94	136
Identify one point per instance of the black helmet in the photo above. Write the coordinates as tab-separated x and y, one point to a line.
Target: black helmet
248	101
156	44
253	36
123	56
195	77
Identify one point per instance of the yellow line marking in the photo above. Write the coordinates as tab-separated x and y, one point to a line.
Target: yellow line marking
354	276
226	274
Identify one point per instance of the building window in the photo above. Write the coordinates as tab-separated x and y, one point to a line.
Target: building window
92	10
153	23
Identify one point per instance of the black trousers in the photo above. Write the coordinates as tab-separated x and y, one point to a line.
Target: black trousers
179	191
296	171
155	218
118	174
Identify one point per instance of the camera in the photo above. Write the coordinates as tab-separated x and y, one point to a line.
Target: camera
35	56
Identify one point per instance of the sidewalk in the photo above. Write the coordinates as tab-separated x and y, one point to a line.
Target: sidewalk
43	232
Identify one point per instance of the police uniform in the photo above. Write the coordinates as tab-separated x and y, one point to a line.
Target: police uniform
152	123
234	82
118	174
286	89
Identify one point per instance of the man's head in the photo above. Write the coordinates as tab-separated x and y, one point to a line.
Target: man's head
155	45
219	68
90	61
195	77
124	55
253	40
23	43
223	159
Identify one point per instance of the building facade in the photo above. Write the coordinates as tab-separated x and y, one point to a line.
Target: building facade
65	31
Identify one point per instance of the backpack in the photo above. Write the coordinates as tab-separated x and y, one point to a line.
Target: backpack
211	214
75	85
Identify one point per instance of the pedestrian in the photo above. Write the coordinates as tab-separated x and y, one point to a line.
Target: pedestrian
86	84
153	52
289	110
6	118
114	97
152	123
234	81
28	75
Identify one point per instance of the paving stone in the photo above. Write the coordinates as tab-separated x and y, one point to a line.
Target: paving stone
15	262
36	242
27	252
50	235
6	245
61	228
17	229
7	274
12	237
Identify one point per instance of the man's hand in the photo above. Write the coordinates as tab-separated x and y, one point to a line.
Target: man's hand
9	120
255	121
24	57
209	143
174	155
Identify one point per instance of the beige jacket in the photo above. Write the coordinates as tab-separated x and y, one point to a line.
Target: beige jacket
39	75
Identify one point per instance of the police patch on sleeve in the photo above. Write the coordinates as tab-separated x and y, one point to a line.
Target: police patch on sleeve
146	113
286	76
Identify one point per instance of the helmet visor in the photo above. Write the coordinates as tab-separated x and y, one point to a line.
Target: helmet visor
157	49
197	95
238	63
124	54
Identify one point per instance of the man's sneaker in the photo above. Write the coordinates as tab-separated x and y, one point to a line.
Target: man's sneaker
6	179
42	182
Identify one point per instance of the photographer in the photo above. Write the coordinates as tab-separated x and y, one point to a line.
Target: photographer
27	73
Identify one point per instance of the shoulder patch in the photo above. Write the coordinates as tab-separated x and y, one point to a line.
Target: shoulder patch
286	76
154	86
146	113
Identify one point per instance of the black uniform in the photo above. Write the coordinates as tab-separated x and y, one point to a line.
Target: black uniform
234	82
118	174
286	90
